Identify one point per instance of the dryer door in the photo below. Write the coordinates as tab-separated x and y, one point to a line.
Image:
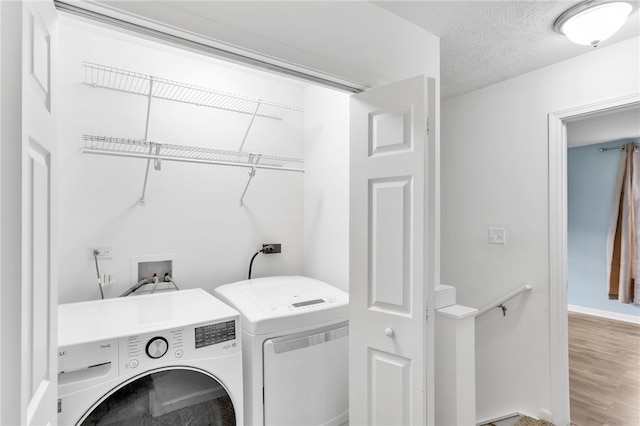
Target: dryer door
306	378
170	396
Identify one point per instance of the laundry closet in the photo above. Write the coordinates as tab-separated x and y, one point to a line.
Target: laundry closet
189	207
135	177
57	148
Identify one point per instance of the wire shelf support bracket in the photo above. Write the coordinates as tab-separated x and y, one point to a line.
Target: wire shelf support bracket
146	136
253	117
252	174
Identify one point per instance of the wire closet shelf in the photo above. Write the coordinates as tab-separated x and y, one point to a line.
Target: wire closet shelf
151	87
136	83
136	148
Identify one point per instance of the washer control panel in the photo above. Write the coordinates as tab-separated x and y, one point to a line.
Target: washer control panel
203	340
157	347
212	334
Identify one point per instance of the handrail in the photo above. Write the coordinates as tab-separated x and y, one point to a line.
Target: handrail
500	302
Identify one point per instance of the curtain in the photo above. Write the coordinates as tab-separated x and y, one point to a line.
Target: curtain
623	256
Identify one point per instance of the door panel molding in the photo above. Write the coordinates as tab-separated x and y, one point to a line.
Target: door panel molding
390	131
40	59
390	387
390	216
36	309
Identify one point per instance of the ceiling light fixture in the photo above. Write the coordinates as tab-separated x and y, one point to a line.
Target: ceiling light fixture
593	21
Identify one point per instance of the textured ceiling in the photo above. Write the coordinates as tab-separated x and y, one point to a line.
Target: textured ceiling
484	42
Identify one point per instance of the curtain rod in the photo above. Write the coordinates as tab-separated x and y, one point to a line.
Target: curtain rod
617	148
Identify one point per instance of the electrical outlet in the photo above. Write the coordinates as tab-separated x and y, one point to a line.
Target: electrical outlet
276	248
497	236
103	252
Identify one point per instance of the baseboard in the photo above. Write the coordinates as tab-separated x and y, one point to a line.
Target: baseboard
604	314
512	416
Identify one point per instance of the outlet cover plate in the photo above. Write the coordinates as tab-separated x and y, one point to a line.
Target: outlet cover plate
103	252
497	236
277	248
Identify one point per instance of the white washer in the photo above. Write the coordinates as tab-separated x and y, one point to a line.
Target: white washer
295	350
163	359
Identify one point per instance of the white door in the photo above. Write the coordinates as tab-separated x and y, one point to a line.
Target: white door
28	220
392	237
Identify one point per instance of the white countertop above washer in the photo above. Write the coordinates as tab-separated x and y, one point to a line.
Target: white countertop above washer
104	319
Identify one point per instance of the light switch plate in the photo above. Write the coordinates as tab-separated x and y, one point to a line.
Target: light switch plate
497	236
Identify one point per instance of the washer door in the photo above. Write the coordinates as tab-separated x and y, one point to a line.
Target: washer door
171	396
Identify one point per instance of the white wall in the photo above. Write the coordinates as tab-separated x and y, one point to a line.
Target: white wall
591	181
604	128
401	50
191	210
494	169
326	186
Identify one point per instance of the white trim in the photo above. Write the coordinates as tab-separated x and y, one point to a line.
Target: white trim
558	335
604	314
511	417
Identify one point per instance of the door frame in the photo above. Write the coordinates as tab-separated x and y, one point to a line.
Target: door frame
10	215
558	322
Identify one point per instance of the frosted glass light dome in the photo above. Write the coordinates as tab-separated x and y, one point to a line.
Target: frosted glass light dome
592	22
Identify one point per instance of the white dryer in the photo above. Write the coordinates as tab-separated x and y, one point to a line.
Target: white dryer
295	350
163	359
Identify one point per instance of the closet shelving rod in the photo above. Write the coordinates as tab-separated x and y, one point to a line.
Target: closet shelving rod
133	148
121	80
187	160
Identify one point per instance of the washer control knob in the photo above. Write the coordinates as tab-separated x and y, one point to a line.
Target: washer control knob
157	347
389	332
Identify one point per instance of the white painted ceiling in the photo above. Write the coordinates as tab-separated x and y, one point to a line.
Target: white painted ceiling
482	42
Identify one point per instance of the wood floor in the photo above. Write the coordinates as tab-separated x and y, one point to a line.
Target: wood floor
604	371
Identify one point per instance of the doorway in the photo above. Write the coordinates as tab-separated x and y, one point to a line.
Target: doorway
559	368
601	345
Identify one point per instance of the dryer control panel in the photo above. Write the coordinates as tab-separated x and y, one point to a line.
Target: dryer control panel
302	305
